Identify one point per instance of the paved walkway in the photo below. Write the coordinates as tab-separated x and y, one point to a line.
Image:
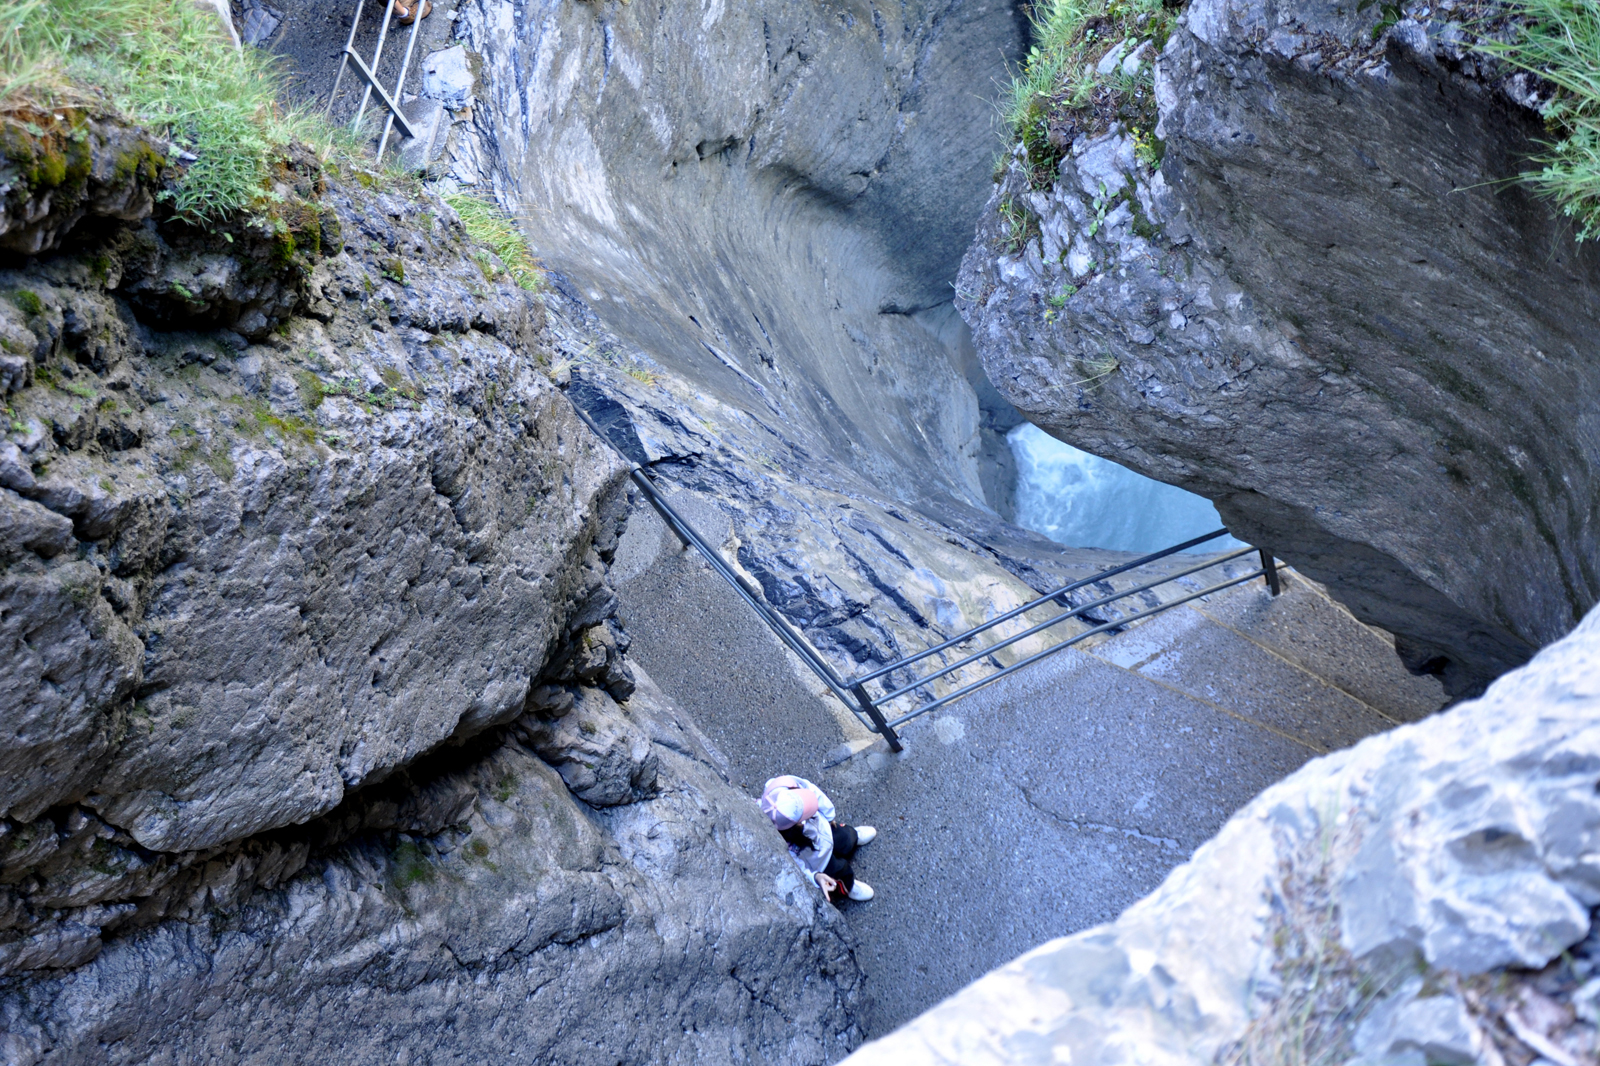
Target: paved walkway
1048	802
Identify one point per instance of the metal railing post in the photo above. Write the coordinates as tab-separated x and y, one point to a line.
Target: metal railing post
344	59
879	722
1270	568
377	60
400	82
853	693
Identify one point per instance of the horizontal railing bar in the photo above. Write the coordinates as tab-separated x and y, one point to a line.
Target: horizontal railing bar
962	638
372	81
1014	667
992	648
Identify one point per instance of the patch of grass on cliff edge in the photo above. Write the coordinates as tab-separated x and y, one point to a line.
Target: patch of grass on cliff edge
166	65
1560	42
1058	93
490	226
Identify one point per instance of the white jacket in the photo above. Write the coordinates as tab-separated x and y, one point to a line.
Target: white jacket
814	860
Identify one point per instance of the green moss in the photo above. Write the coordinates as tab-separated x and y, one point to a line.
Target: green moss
411	866
1141	224
506	787
396	383
330	231
310	388
27	302
220	462
81	593
394	268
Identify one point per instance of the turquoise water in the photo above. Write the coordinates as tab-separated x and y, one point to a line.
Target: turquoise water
1079	499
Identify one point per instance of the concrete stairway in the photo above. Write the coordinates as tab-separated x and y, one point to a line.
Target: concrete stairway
1048	802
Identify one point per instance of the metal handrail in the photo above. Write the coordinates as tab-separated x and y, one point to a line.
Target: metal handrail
854	698
370	74
400	82
1101	602
853	693
1030	660
1073	586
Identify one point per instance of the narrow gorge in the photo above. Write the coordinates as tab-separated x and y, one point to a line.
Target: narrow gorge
358	705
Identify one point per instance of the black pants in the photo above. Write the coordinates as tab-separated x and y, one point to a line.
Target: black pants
838	868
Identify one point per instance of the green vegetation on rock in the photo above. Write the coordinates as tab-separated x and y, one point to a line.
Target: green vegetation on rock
1091	65
489	226
166	65
1560	42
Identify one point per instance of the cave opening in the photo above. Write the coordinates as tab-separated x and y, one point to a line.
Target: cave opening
1084	501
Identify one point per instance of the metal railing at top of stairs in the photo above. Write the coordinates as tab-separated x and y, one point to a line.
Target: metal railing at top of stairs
869	709
369	74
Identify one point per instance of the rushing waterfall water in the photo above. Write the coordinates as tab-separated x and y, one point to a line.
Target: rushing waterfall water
1080	499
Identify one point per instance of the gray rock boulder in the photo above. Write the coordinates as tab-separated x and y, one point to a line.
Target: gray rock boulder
310	561
1461	845
81	165
1329	313
531	926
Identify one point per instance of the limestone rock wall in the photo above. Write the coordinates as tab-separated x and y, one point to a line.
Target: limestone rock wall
1330	313
305	562
320	739
753	215
1427	896
481	911
768	199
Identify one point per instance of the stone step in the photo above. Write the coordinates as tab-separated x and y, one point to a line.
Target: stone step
1306	626
1188	651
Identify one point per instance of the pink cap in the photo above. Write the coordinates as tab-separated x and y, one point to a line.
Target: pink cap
787	802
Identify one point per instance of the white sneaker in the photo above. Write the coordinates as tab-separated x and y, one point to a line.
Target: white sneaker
865	834
861	891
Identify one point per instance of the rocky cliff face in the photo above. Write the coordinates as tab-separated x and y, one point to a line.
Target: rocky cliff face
754	215
1427	896
312	678
1330	311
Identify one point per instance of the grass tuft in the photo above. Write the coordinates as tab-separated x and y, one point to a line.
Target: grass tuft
490	226
1058	92
1560	42
165	65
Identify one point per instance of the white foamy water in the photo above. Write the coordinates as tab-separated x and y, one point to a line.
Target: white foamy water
1079	499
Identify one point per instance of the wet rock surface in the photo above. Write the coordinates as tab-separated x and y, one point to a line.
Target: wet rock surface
1046	803
298	558
1327	312
751	247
